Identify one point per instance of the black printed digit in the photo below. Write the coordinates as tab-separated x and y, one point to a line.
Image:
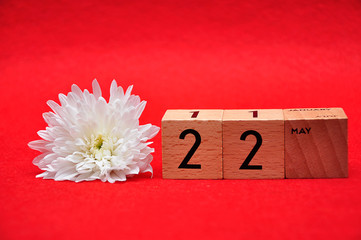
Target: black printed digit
255	114
245	164
194	114
184	163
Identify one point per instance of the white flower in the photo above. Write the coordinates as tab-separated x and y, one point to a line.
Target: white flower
88	138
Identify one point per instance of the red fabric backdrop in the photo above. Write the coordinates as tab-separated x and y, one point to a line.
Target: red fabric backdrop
178	54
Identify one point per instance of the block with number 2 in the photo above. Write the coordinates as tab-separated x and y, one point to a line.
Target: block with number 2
192	144
253	144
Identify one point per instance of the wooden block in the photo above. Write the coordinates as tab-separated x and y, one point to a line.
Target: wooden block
316	143
253	144
192	144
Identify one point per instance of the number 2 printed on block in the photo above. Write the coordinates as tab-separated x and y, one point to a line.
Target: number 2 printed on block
245	164
184	163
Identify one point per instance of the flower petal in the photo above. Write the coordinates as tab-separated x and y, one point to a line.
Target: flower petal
96	89
75	89
39	145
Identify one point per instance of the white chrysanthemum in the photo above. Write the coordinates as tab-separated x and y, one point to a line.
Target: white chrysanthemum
88	138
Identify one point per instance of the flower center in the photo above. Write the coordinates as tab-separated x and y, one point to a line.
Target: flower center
98	142
100	147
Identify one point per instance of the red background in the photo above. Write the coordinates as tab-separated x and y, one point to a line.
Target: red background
178	54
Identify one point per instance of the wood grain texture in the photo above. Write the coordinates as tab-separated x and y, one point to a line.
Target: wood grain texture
320	150
208	124
269	124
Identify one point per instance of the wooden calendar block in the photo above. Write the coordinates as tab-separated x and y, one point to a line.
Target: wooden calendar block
253	144
192	144
316	143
